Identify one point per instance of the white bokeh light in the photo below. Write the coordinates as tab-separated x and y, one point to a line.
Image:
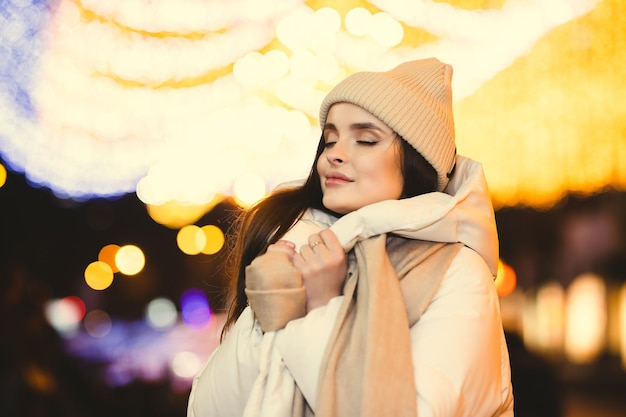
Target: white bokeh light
358	21
107	99
161	313
386	30
249	188
186	364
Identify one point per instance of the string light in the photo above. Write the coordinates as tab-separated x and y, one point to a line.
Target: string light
102	99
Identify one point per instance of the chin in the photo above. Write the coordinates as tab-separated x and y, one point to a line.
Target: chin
338	209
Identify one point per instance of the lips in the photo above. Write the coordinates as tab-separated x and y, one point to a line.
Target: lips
336	178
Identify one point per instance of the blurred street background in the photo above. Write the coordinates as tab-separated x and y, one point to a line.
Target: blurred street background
133	132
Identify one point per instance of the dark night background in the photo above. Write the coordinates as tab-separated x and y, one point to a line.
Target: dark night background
47	242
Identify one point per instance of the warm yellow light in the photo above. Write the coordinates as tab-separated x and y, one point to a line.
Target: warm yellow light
246	70
586	318
191	239
550	318
248	189
506	279
530	334
107	255
98	275
622	324
176	215
565	138
3	175
214	239
158	90
130	260
358	21
386	30
39	379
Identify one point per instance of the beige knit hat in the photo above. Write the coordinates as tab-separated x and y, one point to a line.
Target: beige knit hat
415	100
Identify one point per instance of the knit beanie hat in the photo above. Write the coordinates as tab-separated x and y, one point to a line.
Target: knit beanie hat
415	100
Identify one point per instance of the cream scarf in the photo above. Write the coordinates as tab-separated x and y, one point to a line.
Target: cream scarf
367	367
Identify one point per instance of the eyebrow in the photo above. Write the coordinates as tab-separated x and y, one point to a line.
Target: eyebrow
355	126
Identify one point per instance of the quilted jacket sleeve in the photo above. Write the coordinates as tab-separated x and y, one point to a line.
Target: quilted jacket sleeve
222	387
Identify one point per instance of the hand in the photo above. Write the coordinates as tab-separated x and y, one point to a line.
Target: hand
273	269
274	287
324	266
284	246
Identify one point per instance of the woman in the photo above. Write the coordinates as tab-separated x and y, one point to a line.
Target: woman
370	289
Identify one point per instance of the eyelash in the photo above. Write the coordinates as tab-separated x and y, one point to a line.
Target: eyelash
360	142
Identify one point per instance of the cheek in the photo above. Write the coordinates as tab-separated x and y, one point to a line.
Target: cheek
385	178
395	183
391	175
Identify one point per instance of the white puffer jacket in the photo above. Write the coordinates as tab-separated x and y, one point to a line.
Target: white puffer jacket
459	352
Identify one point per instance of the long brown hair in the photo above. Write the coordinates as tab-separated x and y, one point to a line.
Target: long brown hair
267	221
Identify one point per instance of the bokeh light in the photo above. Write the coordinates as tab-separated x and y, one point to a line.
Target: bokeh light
107	255
191	239
130	260
175	215
98	275
175	104
248	189
622	323
3	175
550	324
358	21
97	323
195	309
386	30
65	314
186	364
161	313
214	239
585	312
506	279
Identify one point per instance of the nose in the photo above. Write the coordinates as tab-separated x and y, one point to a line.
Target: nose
337	154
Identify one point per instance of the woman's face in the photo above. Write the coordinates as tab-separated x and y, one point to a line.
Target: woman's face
360	163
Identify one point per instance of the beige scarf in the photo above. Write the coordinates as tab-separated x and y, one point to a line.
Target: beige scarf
367	368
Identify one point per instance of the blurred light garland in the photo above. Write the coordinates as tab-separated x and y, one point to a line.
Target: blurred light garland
177	101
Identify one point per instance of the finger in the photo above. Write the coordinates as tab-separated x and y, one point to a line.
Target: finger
283	242
313	250
315	240
285	247
330	240
306	252
298	261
